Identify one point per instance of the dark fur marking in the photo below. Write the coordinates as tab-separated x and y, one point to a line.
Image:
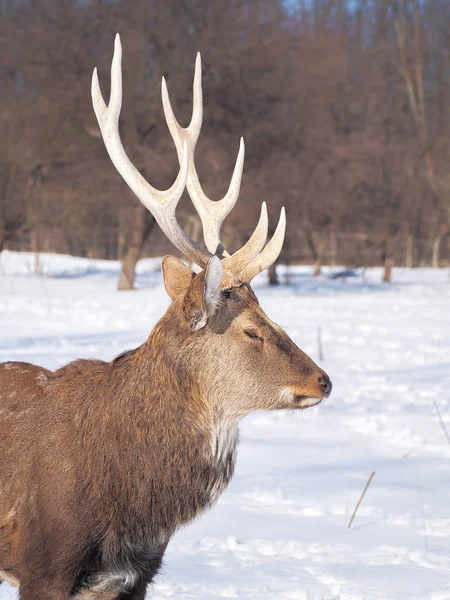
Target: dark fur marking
123	355
231	306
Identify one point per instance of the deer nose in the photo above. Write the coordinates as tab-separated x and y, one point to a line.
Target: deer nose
325	384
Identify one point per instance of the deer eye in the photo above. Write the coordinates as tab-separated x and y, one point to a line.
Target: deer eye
253	335
229	294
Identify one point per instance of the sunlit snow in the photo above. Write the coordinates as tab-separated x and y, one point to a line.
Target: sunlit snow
280	530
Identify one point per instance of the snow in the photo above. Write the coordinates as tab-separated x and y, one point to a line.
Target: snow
280	530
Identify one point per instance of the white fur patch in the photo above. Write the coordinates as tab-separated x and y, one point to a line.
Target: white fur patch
211	291
5	576
108	585
213	278
224	440
288	396
223	453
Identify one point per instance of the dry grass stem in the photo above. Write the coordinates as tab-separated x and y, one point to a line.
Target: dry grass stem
444	428
360	500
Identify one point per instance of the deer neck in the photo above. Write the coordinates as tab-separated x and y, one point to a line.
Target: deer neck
195	417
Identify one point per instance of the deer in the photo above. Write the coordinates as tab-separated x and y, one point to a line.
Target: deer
102	462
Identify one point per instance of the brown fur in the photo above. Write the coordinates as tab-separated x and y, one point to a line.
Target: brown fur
102	462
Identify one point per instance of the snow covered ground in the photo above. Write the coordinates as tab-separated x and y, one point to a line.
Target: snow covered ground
280	530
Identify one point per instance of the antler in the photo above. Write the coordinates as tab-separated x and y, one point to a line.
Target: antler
161	204
212	213
244	264
270	253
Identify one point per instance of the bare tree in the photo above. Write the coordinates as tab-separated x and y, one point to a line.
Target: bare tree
318	89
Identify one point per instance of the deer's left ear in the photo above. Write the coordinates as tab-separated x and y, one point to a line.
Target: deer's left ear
203	296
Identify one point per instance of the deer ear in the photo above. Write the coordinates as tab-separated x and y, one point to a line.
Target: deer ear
177	276
203	296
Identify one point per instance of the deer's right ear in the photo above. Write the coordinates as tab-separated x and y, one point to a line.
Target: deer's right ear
177	276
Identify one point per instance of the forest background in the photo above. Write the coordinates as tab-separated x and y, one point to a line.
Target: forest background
344	108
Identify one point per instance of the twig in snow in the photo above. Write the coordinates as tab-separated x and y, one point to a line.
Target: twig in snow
441	422
319	343
408	453
360	500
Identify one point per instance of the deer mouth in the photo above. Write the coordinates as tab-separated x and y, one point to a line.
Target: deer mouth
306	401
295	400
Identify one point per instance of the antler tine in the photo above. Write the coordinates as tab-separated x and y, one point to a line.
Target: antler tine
161	203
242	257
212	213
270	253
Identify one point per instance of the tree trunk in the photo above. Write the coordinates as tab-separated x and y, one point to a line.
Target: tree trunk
120	244
409	251
315	243
388	261
121	235
333	247
139	233
436	252
273	277
36	249
412	71
287	261
388	264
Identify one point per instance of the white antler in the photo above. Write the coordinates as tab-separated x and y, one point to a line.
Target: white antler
270	253
212	213
161	204
244	264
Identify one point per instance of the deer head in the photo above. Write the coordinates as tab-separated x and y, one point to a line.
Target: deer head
215	327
